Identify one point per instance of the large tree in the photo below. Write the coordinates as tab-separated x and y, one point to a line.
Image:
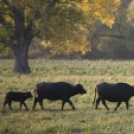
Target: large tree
59	23
119	37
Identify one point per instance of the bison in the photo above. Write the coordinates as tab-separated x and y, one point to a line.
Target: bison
57	91
119	92
16	96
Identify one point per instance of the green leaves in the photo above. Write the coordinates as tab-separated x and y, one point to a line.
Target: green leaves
58	22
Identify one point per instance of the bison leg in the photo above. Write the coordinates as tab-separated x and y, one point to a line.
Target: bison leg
118	104
71	104
4	104
20	106
24	105
41	103
97	102
10	104
126	104
104	103
63	102
35	101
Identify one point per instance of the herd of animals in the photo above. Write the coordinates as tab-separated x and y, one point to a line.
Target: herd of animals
118	92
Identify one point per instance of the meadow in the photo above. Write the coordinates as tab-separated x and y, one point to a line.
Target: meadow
85	119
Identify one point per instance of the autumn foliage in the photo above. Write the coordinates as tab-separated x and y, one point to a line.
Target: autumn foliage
74	16
62	25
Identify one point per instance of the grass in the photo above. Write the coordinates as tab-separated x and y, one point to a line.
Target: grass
84	120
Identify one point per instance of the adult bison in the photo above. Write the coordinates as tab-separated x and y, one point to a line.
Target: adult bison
57	91
16	96
119	92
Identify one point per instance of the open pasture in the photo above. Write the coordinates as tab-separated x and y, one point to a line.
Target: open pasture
84	120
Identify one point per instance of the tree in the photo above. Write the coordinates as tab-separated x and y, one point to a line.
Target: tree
57	22
119	37
130	13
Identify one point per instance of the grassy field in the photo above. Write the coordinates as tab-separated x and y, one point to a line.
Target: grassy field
84	120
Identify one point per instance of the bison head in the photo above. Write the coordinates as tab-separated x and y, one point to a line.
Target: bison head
28	95
80	89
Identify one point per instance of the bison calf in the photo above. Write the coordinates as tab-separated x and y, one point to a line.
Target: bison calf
16	96
57	91
119	92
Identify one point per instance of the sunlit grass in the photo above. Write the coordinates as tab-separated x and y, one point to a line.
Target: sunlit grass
84	120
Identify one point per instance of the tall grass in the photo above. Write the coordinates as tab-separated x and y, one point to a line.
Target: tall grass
84	120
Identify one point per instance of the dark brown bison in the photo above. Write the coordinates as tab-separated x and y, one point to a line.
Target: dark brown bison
57	91
119	92
16	96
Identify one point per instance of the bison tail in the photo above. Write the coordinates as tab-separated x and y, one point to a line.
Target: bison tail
94	96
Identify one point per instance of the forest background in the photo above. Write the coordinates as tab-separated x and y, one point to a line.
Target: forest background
106	42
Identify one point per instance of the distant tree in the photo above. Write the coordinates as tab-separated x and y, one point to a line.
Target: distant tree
118	40
57	22
130	13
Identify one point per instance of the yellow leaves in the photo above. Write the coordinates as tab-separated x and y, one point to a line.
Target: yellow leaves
71	41
95	9
116	2
104	11
84	1
105	18
80	45
8	19
59	23
108	21
100	9
24	3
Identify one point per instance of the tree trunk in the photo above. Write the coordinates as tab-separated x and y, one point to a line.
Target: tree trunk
24	36
21	58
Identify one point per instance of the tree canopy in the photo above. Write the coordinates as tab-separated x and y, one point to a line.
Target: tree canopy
56	21
61	24
75	18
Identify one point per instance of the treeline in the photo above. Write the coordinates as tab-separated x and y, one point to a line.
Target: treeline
106	43
115	43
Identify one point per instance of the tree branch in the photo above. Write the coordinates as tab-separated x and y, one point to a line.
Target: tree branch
113	36
50	6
